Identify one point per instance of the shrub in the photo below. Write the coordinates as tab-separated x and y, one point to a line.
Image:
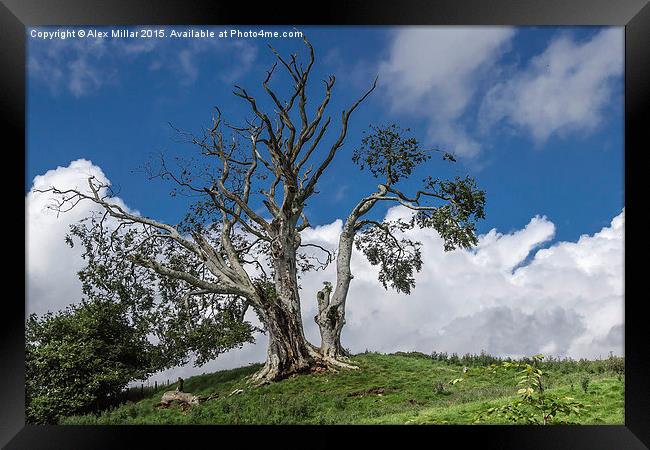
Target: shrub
78	360
615	364
412	355
468	359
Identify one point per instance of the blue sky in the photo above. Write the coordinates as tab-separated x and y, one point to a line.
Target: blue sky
111	101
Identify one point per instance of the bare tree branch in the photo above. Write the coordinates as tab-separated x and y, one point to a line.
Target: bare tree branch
345	116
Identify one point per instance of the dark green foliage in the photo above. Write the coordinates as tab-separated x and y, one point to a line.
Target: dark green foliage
615	364
468	359
410	354
184	321
455	221
206	339
397	258
584	383
386	153
450	207
79	359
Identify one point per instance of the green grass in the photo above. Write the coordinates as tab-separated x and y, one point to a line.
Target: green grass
388	389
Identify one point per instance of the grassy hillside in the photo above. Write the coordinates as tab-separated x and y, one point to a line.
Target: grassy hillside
403	388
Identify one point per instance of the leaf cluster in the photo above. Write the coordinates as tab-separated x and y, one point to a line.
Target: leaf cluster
455	221
184	322
79	359
397	257
387	153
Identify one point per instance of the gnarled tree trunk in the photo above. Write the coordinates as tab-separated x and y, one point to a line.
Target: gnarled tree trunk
330	320
331	308
288	351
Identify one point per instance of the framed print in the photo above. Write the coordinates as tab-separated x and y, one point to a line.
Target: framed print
397	221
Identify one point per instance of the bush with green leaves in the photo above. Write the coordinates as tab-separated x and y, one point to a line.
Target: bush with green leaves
615	364
79	359
533	405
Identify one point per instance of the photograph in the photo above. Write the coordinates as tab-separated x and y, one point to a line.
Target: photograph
325	225
385	224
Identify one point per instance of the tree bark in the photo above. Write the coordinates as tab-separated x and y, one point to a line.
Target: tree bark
331	309
330	320
288	350
184	398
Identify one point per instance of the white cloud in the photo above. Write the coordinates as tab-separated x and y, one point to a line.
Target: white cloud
506	251
439	73
52	265
509	331
323	234
564	89
434	72
566	300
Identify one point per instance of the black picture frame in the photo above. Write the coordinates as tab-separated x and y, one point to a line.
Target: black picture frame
17	15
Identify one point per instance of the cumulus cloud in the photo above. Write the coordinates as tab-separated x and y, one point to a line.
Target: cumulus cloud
569	286
507	296
506	251
434	72
564	89
509	331
52	265
442	73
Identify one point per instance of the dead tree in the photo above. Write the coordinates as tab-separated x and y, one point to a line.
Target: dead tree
214	257
227	256
184	399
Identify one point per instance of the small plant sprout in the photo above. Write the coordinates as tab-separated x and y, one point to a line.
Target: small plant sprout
533	405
